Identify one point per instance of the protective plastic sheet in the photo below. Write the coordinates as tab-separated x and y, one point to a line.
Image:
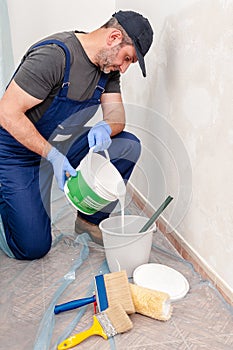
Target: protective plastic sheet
29	291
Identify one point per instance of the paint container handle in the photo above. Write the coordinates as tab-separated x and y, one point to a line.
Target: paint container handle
91	150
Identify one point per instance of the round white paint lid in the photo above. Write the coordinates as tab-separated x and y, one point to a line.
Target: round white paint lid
161	278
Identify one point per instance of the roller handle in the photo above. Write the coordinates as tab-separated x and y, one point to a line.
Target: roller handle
156	214
74	304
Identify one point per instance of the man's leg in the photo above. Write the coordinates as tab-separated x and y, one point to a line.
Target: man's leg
3	243
25	219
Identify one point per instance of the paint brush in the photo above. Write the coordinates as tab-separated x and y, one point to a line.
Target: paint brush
110	289
156	214
106	324
74	304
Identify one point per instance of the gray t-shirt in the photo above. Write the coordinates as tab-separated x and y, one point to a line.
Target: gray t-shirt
42	69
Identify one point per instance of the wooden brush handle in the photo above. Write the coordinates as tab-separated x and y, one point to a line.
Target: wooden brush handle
96	329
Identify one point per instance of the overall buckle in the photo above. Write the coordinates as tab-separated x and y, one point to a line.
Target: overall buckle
100	88
66	83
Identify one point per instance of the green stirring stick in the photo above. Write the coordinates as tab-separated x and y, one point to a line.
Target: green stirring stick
156	214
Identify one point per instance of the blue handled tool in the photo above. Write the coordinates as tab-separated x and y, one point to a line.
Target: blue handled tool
100	298
74	304
110	289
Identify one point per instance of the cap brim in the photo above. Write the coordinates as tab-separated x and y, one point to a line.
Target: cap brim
140	60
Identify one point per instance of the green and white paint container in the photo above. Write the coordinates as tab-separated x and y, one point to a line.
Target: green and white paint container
97	184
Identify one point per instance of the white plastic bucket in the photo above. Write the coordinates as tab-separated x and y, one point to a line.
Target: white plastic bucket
127	250
97	184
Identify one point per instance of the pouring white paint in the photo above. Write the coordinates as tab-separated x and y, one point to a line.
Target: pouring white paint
121	192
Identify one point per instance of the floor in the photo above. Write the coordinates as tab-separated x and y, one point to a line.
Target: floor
29	291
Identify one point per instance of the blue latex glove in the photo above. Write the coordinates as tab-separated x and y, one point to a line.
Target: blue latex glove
99	136
60	165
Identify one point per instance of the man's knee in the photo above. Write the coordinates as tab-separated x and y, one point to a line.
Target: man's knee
36	252
32	247
128	145
135	146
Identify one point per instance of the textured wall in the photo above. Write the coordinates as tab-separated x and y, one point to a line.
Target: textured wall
186	122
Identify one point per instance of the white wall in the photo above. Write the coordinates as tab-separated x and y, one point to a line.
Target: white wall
184	113
32	20
6	54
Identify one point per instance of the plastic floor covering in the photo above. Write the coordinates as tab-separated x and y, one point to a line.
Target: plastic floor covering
29	291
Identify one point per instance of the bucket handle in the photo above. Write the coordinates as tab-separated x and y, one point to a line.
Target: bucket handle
91	150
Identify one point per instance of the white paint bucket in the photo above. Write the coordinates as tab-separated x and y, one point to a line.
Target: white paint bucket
128	250
97	184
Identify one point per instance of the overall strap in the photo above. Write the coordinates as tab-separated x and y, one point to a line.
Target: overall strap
65	85
100	87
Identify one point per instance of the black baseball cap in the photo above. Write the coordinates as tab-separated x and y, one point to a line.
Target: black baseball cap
139	30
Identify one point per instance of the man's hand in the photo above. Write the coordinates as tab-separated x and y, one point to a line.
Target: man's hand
61	166
99	136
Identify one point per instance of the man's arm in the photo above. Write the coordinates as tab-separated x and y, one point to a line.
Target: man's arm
13	105
113	111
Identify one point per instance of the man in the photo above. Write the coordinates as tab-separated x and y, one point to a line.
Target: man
57	88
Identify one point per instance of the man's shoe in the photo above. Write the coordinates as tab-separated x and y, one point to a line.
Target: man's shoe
93	230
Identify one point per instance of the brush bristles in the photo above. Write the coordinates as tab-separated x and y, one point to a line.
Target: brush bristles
151	303
119	318
118	291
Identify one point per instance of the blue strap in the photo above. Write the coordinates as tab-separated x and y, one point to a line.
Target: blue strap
100	87
65	85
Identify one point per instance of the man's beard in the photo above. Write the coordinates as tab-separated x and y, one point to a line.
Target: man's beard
106	57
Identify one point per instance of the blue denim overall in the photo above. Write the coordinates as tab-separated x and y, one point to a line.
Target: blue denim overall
25	178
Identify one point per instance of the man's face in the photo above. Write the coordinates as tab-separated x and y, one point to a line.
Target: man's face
116	58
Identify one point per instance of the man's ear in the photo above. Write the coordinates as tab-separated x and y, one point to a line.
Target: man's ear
114	37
